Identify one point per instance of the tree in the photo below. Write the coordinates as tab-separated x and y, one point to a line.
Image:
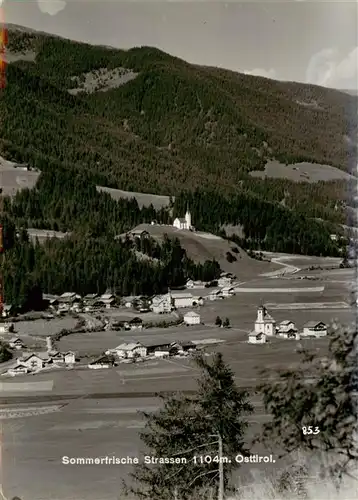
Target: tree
226	323
320	395
186	427
5	353
218	321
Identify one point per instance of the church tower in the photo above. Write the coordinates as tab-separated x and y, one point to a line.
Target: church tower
188	218
260	314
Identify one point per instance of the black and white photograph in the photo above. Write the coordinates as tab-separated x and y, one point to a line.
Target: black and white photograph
178	250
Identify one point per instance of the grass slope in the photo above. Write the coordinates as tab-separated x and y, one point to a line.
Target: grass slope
173	126
201	246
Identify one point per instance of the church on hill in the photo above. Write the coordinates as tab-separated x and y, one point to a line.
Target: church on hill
185	223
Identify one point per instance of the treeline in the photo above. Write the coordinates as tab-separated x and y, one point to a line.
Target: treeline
92	265
66	200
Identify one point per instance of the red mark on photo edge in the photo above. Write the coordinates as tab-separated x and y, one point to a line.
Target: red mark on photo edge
3	43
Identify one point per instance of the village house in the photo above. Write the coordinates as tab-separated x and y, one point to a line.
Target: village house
6	327
192	318
102	362
130	323
35	361
161	304
8	310
67	358
18	369
257	338
155	347
224	281
195	284
264	322
315	328
129	301
228	291
224	274
183	223
90	298
184	347
50	300
107	300
16	343
183	299
69	298
215	294
89	302
128	350
164	351
138	233
287	329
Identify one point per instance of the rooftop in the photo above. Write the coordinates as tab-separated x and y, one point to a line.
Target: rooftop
312	324
128	346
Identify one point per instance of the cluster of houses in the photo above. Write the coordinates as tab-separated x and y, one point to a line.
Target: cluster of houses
135	351
183	299
36	361
70	301
159	304
265	326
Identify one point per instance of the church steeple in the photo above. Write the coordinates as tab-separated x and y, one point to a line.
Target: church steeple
188	217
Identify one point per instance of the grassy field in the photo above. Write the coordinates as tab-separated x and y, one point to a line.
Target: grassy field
302	172
14	177
143	199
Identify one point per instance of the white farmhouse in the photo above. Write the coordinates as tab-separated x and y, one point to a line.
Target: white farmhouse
265	322
69	358
185	223
17	369
184	299
192	318
227	291
6	327
16	343
129	350
107	300
161	304
102	362
195	284
257	338
287	330
315	328
215	294
224	281
35	361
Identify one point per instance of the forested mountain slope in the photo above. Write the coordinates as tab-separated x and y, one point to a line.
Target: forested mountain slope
173	125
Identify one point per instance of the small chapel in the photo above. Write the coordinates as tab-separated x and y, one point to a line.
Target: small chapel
183	223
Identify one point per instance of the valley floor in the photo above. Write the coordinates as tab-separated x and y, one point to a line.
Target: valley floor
93	413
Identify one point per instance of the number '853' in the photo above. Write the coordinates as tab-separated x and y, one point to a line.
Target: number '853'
310	430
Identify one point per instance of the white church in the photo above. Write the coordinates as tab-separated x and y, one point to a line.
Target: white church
265	326
264	322
185	223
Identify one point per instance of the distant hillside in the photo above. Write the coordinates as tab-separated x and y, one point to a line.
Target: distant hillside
168	125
